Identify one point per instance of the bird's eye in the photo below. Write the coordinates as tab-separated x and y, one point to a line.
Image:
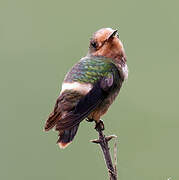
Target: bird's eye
117	35
94	44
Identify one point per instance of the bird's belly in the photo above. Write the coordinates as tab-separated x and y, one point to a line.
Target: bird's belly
102	108
107	102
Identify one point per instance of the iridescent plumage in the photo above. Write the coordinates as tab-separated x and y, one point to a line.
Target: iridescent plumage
90	87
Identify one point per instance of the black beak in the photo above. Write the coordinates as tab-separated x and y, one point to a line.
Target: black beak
112	35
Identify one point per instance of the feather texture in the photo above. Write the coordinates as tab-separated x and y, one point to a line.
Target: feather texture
74	105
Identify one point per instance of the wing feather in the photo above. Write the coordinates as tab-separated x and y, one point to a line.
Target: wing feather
87	103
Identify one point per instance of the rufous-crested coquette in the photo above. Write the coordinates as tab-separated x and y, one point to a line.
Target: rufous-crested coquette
90	87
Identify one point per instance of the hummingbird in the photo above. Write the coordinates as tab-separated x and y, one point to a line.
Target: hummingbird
90	87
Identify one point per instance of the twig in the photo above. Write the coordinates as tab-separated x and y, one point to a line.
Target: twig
103	141
115	157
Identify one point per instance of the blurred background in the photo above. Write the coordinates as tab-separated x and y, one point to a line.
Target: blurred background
40	40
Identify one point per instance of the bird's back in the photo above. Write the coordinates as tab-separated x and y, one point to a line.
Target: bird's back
90	70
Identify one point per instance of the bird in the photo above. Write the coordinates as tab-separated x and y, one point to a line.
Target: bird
90	87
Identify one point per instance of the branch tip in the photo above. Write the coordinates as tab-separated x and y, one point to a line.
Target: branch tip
97	141
108	138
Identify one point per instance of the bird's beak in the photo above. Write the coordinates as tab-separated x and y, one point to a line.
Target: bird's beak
112	35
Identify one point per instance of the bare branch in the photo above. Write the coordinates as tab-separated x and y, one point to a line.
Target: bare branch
103	141
115	157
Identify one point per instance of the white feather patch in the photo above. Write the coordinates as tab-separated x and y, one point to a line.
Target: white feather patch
83	88
125	71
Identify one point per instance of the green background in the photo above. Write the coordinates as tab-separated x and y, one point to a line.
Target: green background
40	40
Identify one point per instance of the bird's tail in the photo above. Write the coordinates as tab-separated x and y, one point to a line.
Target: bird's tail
67	136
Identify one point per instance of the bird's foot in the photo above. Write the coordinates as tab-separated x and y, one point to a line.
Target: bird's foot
99	126
89	119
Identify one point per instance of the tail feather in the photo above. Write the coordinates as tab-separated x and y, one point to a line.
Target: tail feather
66	136
63	145
65	104
52	120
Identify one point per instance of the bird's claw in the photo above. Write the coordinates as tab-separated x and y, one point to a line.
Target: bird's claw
99	126
89	119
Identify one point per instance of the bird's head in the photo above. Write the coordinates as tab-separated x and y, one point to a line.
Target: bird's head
105	42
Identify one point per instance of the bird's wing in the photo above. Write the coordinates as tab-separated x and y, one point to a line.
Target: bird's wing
64	104
87	103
